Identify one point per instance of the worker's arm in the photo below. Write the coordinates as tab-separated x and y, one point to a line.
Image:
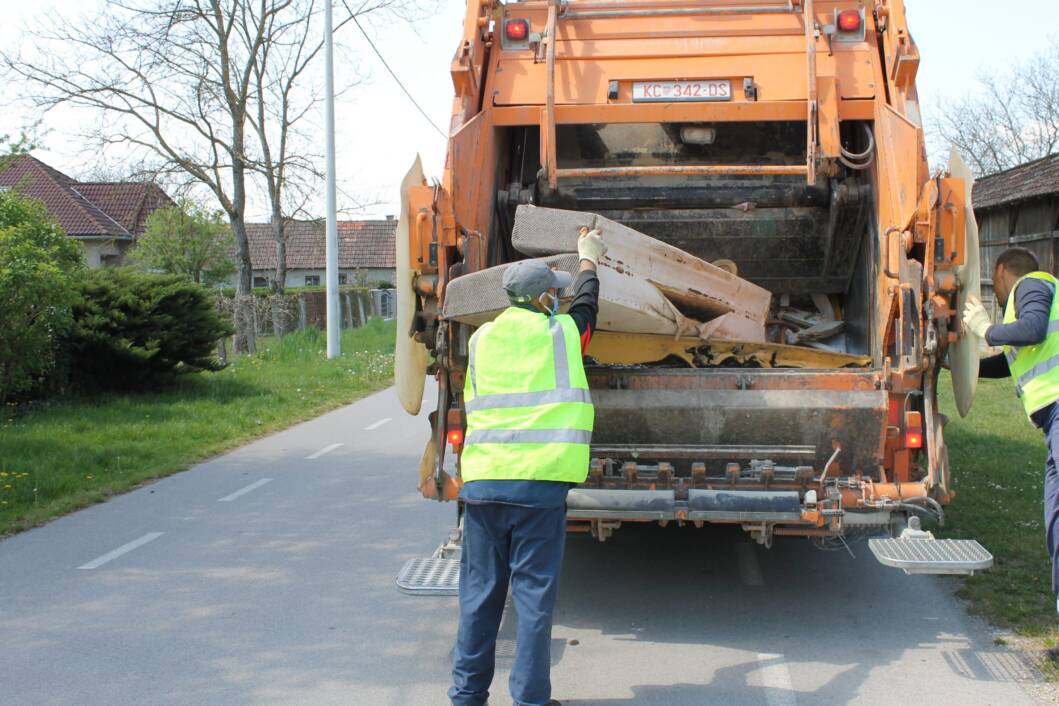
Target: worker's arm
585	306
1033	306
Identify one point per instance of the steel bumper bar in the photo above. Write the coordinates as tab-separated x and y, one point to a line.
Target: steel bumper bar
597	504
707	505
744	505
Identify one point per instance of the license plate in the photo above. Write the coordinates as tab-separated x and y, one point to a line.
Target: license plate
672	91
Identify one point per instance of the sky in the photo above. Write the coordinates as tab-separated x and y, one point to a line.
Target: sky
379	132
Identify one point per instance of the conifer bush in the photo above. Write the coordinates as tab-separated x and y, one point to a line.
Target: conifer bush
134	330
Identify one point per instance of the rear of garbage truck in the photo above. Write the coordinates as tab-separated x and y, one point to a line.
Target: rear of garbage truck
781	142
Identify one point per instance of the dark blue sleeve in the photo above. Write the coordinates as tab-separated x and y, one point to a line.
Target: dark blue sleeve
585	307
995	366
1033	306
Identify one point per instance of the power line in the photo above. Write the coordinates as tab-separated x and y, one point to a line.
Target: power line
383	60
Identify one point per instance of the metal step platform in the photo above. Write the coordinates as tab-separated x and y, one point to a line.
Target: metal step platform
926	555
436	575
430	576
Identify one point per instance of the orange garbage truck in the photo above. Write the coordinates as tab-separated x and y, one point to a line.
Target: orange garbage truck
778	139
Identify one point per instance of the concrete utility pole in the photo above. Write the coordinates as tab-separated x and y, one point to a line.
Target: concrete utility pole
334	326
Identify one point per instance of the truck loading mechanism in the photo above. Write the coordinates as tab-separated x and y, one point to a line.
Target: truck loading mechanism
778	142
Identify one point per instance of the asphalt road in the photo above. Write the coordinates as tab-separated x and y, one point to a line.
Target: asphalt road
266	577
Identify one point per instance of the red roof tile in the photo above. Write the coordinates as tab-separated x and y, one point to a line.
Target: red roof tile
85	210
128	203
361	244
1037	178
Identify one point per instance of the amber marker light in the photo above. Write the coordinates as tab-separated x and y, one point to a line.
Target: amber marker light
913	430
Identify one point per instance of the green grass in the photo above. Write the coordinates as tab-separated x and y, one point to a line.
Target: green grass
61	455
998	473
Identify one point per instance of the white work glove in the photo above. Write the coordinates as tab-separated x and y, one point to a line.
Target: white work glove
590	246
975	317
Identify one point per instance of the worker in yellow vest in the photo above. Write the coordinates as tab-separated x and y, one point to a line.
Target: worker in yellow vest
1030	337
529	424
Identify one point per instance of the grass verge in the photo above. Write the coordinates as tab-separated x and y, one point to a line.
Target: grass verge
998	473
60	455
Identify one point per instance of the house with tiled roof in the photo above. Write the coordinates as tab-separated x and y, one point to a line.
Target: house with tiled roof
1019	207
106	217
366	252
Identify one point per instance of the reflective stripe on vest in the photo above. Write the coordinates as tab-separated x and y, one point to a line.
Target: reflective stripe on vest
1035	368
519	433
506	400
1038	370
529	436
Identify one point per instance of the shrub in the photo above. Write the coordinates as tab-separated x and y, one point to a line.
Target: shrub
134	330
38	264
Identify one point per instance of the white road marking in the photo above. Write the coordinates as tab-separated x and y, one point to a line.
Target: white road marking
123	549
776	679
243	491
323	451
749	568
376	425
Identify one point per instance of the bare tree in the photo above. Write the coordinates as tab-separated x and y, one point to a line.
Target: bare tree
101	169
287	94
1013	118
173	79
286	161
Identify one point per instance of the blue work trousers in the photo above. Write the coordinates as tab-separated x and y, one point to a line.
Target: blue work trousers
505	544
1051	495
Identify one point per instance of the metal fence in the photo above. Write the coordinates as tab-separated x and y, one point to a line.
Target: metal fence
384	303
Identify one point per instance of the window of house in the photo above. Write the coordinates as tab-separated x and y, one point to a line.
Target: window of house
312	280
342	278
260	281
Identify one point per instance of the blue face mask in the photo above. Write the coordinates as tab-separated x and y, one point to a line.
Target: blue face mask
552	306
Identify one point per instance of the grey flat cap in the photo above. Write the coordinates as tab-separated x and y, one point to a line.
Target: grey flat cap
528	279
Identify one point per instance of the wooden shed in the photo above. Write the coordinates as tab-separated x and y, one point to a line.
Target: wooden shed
1019	207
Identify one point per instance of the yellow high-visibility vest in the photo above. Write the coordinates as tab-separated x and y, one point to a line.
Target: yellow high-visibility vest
529	412
1035	368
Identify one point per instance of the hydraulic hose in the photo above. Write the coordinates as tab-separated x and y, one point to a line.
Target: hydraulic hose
853	160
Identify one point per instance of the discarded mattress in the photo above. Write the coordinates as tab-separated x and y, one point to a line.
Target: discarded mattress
646	286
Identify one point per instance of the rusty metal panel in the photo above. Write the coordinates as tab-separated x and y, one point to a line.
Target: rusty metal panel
827	98
474	142
746	407
900	180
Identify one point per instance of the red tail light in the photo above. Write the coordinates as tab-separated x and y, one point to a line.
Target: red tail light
849	21
913	430
456	438
518	30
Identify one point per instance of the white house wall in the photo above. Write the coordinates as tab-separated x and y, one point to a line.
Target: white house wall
97	251
296	277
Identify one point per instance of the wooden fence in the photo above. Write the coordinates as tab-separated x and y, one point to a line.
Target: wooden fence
1032	224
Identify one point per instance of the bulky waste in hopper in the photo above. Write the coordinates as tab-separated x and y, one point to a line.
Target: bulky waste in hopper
646	286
